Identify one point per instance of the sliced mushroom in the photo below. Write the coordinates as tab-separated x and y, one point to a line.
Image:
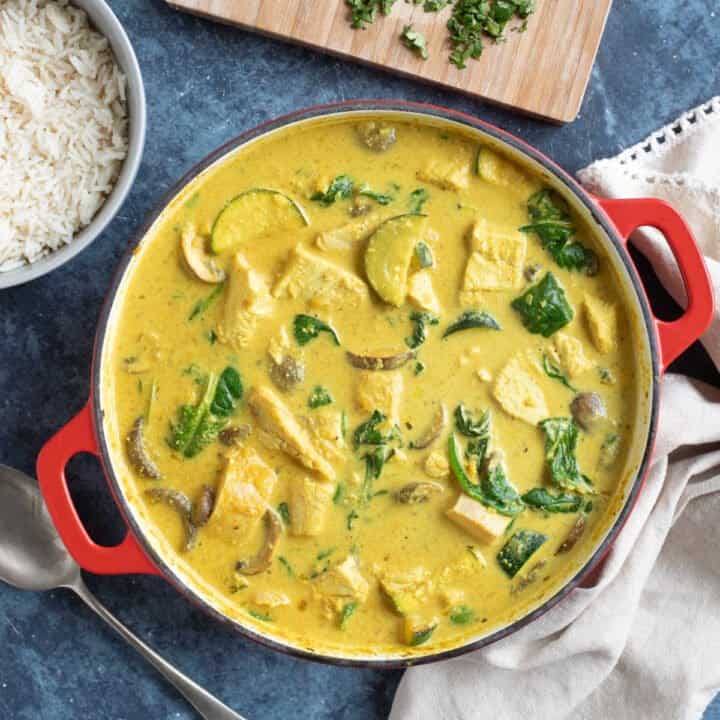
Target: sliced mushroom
202	265
438	424
235	434
373	362
137	451
287	373
418	492
573	536
376	136
587	409
179	502
202	508
261	561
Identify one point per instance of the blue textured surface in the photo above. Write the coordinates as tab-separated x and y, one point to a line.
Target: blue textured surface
206	83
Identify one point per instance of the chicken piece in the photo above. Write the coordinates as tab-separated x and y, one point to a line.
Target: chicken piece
477	520
309	503
247	299
447	174
436	465
279	346
285	432
270	599
421	293
347	236
519	395
318	281
326	427
344	582
380	390
496	261
601	318
570	354
246	484
452	596
407	591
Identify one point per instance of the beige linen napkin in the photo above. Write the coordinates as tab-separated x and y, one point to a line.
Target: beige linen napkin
644	642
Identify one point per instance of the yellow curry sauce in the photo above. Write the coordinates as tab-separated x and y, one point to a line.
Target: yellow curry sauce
326	526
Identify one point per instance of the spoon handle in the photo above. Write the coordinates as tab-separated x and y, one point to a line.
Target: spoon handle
208	707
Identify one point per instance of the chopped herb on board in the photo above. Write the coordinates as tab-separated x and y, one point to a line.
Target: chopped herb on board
364	12
414	40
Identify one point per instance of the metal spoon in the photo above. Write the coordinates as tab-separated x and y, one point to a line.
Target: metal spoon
32	557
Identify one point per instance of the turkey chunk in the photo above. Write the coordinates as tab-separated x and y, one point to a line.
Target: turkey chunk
284	431
447	174
496	261
601	318
247	299
570	354
344	582
421	293
477	520
319	281
246	484
519	395
380	390
309	504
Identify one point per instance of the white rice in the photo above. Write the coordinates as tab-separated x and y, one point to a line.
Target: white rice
63	126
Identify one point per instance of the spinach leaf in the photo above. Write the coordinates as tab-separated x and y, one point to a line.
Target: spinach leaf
419	368
228	393
493	490
472	428
541	499
318	397
286	564
554	372
424	255
462	615
552	224
202	305
260	615
199	425
415	41
339	189
379	198
561	438
374	464
518	549
472	319
420	321
284	512
367	433
417	199
351	518
422	636
307	328
544	308
346	613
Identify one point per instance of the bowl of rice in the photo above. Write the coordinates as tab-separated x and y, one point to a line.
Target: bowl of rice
72	130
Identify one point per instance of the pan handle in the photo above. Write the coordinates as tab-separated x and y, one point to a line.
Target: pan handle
76	437
628	215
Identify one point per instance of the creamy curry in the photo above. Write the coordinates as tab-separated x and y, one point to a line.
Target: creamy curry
372	387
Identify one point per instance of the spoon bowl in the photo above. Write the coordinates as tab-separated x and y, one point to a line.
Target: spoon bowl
33	557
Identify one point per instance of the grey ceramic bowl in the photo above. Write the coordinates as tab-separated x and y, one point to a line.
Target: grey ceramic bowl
105	22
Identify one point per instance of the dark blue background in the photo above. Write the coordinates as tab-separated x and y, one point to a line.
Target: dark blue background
205	83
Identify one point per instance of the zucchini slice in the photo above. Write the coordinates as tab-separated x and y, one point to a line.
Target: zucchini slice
389	254
253	214
518	549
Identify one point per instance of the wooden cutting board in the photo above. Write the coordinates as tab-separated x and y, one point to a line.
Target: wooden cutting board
543	71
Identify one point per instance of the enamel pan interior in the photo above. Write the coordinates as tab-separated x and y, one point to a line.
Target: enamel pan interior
640	313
